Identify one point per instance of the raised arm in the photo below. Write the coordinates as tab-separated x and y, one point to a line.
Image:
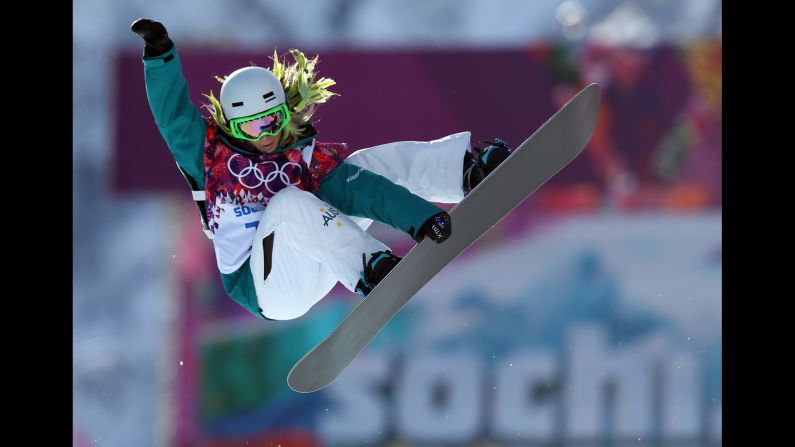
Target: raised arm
178	119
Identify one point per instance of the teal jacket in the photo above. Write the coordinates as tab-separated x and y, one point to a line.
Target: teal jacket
184	129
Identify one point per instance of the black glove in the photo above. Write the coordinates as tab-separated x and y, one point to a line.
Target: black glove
155	36
438	227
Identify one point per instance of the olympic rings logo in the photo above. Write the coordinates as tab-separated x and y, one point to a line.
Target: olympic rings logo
262	178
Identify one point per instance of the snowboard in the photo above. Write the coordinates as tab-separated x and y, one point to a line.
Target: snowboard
548	150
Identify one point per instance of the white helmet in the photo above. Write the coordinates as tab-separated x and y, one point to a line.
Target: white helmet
249	91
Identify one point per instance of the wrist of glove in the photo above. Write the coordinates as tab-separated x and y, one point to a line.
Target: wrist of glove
155	36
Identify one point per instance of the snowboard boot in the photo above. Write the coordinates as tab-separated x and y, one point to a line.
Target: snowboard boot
481	162
380	264
438	227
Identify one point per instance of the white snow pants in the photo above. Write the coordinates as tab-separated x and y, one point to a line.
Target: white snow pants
314	245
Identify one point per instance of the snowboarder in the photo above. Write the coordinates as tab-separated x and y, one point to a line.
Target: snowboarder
287	214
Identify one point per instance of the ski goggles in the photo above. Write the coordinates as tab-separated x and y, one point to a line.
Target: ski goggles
254	127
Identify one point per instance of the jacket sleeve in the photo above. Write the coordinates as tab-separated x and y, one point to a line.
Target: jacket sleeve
358	192
178	119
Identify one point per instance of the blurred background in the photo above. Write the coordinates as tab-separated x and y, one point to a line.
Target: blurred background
591	315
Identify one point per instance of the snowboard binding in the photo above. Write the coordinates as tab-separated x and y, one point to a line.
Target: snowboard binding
380	264
480	162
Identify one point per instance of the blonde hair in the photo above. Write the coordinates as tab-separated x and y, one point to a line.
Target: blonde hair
303	93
